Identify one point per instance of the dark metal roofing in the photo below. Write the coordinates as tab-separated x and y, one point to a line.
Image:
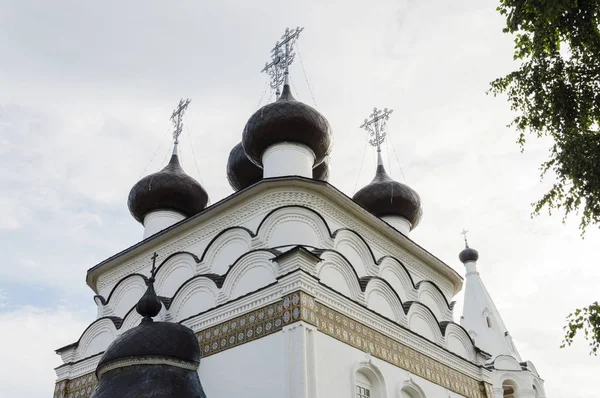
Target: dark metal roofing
384	196
169	189
287	120
154	339
241	172
468	254
150	381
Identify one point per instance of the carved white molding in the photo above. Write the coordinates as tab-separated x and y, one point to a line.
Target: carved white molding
186	237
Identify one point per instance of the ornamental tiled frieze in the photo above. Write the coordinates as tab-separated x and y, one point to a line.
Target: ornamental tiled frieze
299	306
80	387
366	339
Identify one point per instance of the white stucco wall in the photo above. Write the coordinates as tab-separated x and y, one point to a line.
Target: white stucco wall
336	363
254	369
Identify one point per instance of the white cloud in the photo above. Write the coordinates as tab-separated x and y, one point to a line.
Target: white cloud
29	337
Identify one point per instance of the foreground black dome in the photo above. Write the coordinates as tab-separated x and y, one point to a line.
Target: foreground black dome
385	197
468	254
153	359
154	340
169	189
241	172
287	120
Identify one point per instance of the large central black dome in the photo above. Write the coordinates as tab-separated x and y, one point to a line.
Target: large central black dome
287	120
386	197
169	189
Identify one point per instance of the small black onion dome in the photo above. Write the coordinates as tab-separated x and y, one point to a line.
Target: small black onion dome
321	172
287	120
154	359
241	172
169	189
385	197
468	254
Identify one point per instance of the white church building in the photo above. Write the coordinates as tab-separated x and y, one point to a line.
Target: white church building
290	287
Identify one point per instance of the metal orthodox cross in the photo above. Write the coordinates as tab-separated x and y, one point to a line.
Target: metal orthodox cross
464	234
153	271
176	119
375	126
282	56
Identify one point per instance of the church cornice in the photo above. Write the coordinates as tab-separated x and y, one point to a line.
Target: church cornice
263	187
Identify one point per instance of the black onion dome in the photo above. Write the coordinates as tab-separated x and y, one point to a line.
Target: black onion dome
287	120
153	359
385	197
169	189
241	172
468	254
166	340
321	172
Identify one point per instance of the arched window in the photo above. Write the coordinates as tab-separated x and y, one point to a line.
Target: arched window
489	321
364	387
409	393
411	390
510	389
368	381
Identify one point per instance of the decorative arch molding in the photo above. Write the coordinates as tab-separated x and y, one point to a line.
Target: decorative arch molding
399	278
170	256
372	372
458	341
126	294
356	249
431	296
377	287
200	291
336	272
173	272
411	387
506	362
222	251
97	337
131	319
296	225
432	286
250	272
423	322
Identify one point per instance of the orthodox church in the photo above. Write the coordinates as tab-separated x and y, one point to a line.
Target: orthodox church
287	287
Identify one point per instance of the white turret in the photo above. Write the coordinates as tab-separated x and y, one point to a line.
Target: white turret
480	315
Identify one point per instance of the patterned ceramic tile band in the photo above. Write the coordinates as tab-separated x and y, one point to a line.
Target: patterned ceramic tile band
301	306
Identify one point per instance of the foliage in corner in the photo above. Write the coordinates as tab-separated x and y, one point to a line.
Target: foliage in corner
587	321
556	93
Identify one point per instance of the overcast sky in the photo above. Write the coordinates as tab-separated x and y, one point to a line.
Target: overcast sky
86	90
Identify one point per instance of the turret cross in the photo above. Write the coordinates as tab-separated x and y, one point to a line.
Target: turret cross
282	56
464	234
375	125
176	118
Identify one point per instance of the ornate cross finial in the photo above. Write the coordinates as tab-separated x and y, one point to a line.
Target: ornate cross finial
464	234
375	126
153	271
176	118
282	56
